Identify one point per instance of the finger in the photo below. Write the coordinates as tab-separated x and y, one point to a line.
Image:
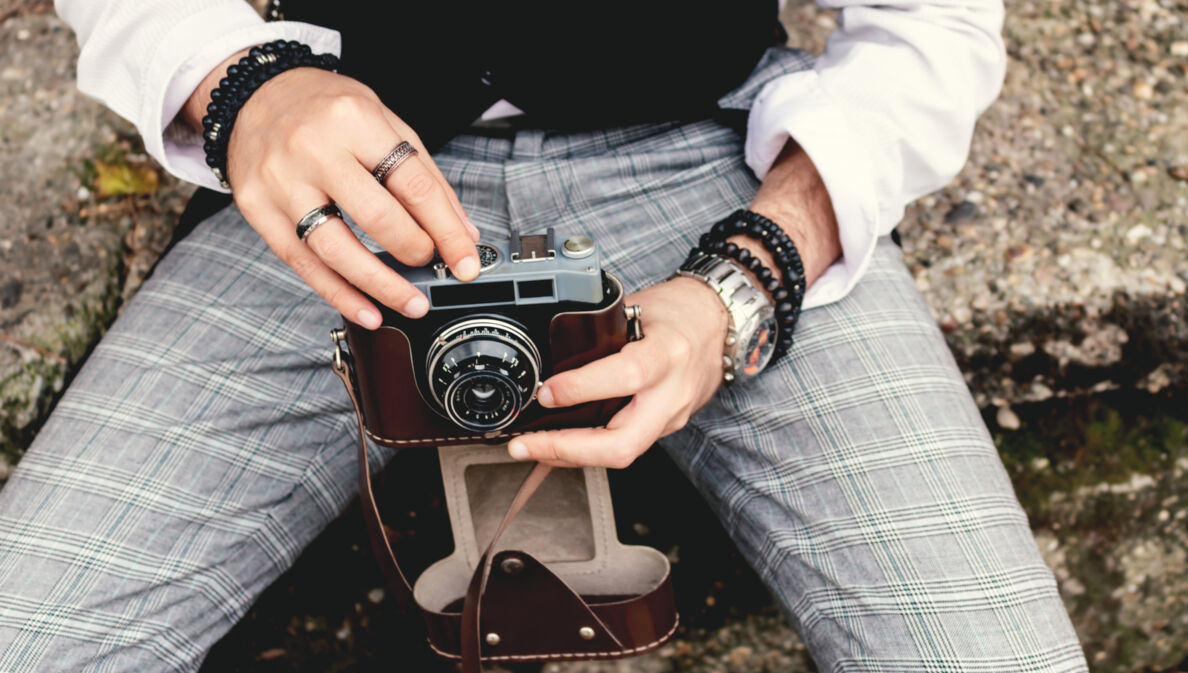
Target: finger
336	246
321	278
340	250
628	434
419	190
559	463
378	213
404	131
639	365
423	195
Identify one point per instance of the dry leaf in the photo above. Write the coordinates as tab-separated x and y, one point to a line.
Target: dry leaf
269	655
123	179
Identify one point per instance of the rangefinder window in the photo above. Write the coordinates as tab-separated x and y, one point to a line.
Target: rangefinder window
503	292
536	289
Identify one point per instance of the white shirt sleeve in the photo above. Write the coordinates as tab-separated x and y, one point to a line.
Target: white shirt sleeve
143	59
886	115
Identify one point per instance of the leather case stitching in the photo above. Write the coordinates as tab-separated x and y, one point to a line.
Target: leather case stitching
559	656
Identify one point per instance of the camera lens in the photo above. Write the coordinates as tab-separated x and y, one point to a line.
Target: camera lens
482	401
482	396
481	372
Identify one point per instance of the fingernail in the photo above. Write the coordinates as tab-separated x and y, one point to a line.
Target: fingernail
416	307
368	318
517	450
468	268
545	396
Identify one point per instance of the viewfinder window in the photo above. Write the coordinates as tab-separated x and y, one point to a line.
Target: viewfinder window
503	292
536	289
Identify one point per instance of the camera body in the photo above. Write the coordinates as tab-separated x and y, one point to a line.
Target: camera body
470	368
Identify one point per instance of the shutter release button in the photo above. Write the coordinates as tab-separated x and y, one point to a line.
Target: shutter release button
578	247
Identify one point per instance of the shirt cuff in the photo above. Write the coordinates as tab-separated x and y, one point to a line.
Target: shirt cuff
186	56
796	106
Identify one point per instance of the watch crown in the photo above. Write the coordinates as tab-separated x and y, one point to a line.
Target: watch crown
730	340
728	363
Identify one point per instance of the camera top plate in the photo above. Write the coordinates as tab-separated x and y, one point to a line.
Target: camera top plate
526	270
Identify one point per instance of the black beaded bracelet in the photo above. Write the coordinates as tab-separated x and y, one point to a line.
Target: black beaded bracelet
787	289
242	79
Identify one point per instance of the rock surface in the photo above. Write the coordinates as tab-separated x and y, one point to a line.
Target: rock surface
1053	262
70	252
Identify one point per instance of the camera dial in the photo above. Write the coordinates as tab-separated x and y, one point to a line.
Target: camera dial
482	371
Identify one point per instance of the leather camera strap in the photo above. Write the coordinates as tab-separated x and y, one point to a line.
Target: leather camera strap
381	544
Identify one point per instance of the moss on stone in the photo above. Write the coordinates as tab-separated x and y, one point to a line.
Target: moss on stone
1102	480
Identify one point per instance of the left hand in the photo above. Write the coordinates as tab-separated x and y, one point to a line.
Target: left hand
672	372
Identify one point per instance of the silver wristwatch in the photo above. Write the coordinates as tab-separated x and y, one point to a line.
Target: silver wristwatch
751	334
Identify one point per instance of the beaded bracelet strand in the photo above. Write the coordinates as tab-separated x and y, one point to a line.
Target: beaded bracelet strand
242	80
787	289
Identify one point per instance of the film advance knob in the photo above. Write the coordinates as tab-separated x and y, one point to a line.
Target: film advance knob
577	247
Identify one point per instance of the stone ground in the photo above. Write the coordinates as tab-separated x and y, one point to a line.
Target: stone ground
1054	263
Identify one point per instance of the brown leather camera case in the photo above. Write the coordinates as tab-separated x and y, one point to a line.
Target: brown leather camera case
495	599
396	415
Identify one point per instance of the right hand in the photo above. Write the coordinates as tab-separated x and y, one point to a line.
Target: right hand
307	137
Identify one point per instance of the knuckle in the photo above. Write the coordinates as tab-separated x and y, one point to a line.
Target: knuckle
419	249
347	107
418	187
552	451
679	349
330	248
622	457
306	138
270	171
456	241
678	422
565	391
303	264
635	375
250	202
393	293
374	210
334	295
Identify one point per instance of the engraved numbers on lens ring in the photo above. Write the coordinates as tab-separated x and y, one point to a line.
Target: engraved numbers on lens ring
488	352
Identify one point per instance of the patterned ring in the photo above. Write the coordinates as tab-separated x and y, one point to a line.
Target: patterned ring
397	156
316	217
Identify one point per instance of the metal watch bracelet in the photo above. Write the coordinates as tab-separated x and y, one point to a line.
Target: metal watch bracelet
750	333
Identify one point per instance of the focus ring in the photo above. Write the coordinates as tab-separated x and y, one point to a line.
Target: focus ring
487	347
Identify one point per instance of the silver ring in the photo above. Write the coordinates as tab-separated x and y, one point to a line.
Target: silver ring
314	218
397	156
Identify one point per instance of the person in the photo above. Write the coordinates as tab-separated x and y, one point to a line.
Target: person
205	443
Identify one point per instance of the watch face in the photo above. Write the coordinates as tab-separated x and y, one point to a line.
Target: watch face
757	352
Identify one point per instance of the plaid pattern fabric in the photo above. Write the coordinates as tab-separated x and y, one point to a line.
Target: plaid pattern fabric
205	442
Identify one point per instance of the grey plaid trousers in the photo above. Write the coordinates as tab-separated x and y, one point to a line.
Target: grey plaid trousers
205	442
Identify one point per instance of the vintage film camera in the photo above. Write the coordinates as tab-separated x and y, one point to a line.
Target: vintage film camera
470	368
465	376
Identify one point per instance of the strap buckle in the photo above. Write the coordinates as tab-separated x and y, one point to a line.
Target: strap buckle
338	336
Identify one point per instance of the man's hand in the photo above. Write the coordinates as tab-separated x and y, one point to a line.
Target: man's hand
672	372
677	366
307	137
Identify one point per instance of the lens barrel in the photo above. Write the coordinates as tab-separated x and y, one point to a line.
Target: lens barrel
482	371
